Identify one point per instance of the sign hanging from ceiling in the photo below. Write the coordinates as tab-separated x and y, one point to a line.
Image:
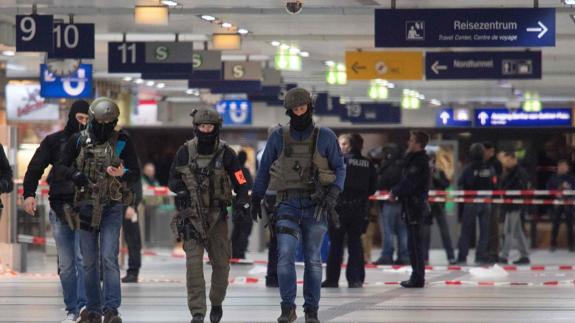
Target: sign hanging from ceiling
371	113
242	71
24	103
548	117
384	65
448	118
32	33
482	65
506	27
77	85
207	65
72	41
151	57
235	112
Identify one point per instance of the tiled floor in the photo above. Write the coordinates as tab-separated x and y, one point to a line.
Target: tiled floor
543	295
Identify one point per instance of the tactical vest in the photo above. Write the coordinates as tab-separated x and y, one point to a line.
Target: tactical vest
93	160
357	176
294	168
206	175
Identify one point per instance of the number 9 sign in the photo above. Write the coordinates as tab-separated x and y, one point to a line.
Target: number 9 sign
34	33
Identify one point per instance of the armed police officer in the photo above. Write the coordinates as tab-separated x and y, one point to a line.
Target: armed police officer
412	191
308	172
103	164
360	183
61	193
202	175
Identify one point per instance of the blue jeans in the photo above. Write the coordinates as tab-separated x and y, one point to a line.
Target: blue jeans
470	211
106	244
390	224
70	267
296	219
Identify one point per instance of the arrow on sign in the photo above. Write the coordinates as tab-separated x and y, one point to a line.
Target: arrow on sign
436	67
356	67
483	117
444	117
542	29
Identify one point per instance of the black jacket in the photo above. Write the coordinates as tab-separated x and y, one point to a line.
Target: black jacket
389	173
49	153
413	188
478	175
515	179
6	181
231	165
360	177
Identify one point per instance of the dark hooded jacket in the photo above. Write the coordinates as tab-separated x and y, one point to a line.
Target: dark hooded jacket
49	152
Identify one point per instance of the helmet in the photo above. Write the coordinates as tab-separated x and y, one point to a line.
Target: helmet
104	110
209	116
296	97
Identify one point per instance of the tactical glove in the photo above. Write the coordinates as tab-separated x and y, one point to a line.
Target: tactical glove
256	207
331	196
80	179
242	211
182	200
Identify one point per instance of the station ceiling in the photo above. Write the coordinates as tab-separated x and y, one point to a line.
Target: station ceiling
325	29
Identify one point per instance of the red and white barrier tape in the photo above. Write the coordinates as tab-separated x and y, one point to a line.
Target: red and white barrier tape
471	193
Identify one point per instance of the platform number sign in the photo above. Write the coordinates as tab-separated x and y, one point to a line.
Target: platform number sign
33	33
72	41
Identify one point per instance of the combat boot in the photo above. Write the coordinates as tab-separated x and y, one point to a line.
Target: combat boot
311	316
216	314
90	317
112	316
198	318
288	314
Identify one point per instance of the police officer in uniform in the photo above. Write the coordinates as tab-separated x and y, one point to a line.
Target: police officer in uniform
478	175
412	192
103	164
360	183
307	171
203	174
62	191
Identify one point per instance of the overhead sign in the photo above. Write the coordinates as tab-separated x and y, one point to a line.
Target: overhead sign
371	113
77	85
242	71
548	117
235	112
33	33
384	65
24	103
72	41
207	65
226	86
482	65
447	118
506	27
153	57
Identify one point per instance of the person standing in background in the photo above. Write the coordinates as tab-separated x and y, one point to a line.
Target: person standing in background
242	226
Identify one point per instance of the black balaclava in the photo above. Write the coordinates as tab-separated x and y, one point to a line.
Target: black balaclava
207	141
301	123
79	106
102	131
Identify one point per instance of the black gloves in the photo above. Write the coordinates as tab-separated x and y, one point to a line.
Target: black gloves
242	211
331	196
6	186
80	179
182	200
256	207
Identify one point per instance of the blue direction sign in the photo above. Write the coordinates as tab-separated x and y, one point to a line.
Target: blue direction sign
509	27
73	41
446	118
77	85
33	33
482	65
235	112
548	117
